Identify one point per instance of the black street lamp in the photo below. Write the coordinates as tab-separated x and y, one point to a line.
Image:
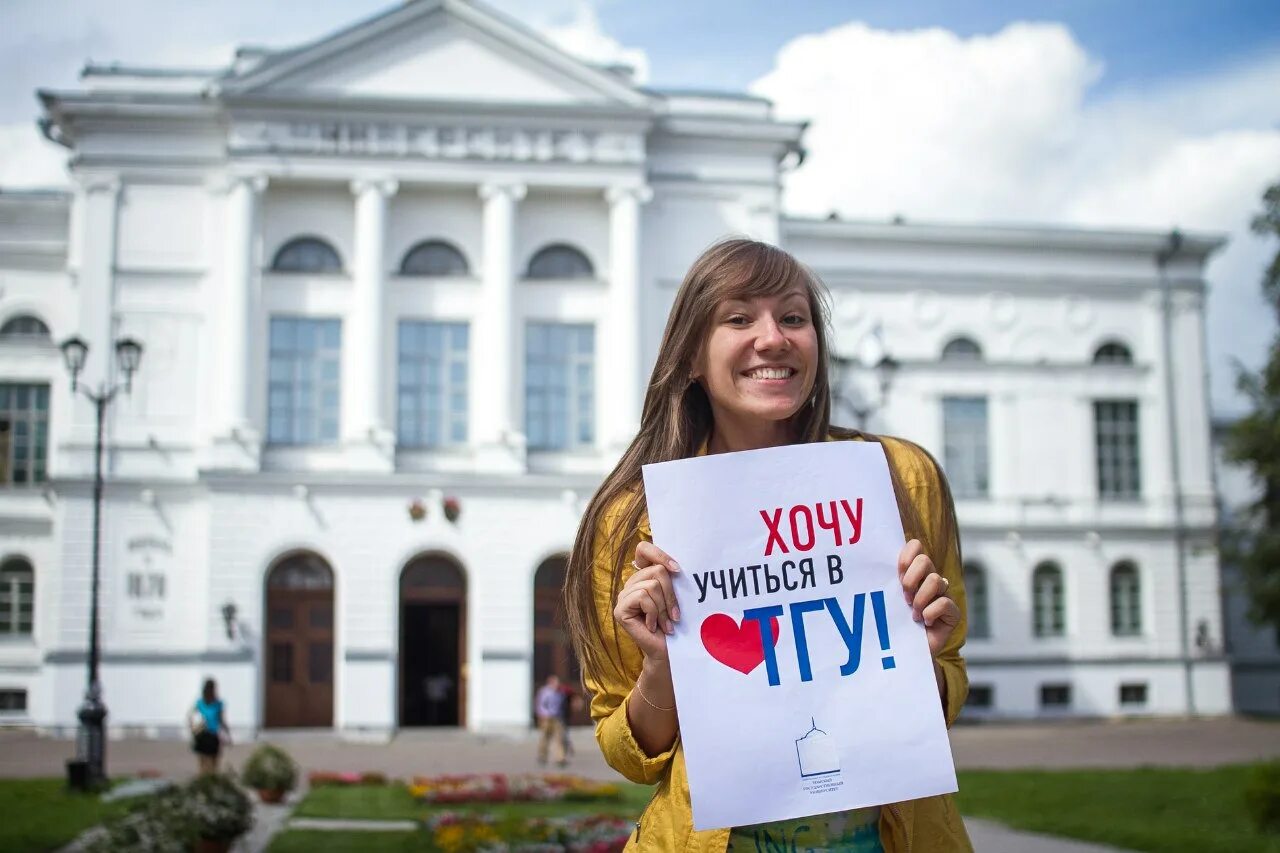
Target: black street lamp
89	767
861	407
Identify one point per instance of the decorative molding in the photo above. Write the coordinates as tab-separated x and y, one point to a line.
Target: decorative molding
476	142
385	187
369	655
517	655
642	194
515	191
79	656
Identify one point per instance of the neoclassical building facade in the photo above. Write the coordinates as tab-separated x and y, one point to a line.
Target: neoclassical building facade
399	291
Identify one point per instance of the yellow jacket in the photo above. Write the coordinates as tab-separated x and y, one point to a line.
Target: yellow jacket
925	825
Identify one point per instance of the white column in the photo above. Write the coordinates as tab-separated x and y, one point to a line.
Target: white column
238	302
362	335
622	393
493	421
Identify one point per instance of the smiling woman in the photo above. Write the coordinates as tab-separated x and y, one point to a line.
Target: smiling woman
743	365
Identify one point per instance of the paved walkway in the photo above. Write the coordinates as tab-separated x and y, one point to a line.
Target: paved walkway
1170	743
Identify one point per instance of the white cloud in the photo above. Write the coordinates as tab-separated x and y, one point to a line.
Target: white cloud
28	160
997	128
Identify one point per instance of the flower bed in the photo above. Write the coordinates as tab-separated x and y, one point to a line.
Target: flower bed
322	778
515	788
451	832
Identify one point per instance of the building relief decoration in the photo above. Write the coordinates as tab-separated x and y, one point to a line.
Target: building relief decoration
436	142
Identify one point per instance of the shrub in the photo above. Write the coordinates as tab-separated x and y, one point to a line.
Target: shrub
1262	797
217	807
270	769
211	807
373	777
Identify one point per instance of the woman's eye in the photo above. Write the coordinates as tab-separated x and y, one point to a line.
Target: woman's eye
795	319
737	320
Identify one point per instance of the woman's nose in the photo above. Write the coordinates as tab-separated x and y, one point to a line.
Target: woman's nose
771	336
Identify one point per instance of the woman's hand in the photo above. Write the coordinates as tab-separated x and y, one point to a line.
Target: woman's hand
926	591
646	607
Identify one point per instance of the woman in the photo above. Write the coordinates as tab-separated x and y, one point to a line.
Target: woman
209	728
743	365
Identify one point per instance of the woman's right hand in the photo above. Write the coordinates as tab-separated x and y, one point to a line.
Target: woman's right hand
646	607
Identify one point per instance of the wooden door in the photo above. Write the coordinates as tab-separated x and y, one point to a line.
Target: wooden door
552	649
299	644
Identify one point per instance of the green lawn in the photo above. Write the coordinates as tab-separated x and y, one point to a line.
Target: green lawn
393	802
319	841
1166	810
40	814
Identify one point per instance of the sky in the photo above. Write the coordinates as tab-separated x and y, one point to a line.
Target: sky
1073	112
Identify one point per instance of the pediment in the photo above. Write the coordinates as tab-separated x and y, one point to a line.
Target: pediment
437	50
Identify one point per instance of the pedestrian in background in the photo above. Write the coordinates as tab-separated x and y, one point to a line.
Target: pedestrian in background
548	707
209	730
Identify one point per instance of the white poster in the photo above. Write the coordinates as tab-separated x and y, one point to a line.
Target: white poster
838	707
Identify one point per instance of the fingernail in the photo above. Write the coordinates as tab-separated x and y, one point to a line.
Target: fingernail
674	566
928	623
671	629
675	613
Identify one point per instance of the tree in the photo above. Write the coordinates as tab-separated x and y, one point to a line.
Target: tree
1254	441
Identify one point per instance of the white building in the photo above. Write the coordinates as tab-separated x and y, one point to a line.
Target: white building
430	257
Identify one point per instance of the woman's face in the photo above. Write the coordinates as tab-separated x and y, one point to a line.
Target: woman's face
759	362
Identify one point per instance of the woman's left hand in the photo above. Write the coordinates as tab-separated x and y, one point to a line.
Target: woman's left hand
926	591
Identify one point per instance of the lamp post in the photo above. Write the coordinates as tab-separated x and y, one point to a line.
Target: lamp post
88	769
861	407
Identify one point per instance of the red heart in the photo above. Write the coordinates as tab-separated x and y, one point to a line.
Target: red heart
735	645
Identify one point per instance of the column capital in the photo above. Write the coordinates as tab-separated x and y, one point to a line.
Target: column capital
385	187
641	194
255	183
90	184
515	191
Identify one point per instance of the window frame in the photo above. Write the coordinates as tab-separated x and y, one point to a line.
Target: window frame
307	240
441	407
293	357
570	362
434	243
960	458
1129	623
12	598
1117	449
978	597
1055	626
34	418
546	254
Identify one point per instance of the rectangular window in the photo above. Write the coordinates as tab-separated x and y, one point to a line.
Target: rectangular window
303	381
1116	436
559	386
981	696
965	456
1055	695
13	700
1133	694
431	384
24	433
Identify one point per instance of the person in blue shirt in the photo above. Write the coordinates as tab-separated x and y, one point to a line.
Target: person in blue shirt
209	728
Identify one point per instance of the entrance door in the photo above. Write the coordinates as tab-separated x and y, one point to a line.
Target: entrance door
432	644
299	644
552	649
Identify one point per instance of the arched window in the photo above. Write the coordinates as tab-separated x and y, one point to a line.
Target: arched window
301	571
434	258
17	598
1126	600
24	329
307	255
975	587
560	261
962	349
1113	352
1048	605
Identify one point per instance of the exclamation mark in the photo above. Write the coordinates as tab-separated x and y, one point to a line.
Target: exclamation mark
882	628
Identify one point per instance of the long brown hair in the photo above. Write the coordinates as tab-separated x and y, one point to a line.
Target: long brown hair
676	420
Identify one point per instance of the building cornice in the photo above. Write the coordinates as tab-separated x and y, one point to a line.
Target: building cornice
1001	236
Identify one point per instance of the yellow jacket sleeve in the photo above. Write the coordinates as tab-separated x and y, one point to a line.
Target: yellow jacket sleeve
612	690
931	498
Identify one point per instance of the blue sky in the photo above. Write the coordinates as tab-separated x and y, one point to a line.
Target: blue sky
1084	113
1138	40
